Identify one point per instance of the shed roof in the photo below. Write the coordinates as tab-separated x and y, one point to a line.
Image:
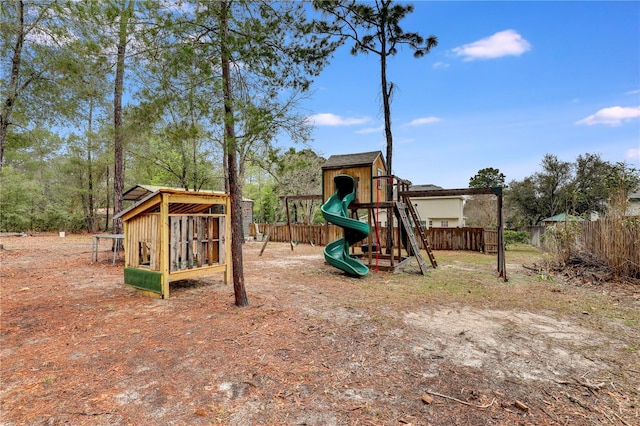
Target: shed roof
563	217
180	202
352	160
140	191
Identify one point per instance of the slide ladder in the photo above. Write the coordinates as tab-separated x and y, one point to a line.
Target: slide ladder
336	211
407	229
418	221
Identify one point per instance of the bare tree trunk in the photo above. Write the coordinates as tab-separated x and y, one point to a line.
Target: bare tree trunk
118	169
106	222
90	201
7	105
386	107
230	144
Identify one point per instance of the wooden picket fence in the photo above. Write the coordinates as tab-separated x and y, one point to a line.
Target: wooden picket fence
473	239
616	243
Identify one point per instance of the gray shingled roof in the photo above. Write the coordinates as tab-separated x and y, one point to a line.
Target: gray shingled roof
351	160
427	187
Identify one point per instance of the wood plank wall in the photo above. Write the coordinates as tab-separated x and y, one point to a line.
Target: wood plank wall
142	243
195	241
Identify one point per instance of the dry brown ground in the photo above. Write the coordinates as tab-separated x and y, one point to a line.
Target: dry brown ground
315	347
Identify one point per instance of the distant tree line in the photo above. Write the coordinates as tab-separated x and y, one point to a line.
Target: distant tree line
587	186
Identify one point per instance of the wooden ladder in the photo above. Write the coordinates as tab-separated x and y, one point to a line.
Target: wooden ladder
423	235
406	224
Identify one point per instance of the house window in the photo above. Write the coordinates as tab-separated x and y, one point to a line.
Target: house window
444	223
379	180
430	224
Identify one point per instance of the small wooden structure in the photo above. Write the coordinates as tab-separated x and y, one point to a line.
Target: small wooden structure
364	167
139	191
172	235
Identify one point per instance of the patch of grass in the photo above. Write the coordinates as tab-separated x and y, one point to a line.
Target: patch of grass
48	381
633	348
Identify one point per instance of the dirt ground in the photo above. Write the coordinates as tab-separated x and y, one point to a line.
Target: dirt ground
315	347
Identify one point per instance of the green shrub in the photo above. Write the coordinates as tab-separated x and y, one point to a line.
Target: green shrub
514	237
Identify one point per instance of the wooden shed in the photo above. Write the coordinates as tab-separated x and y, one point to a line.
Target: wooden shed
363	167
139	191
173	235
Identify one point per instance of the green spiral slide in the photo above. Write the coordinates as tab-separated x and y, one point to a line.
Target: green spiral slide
336	211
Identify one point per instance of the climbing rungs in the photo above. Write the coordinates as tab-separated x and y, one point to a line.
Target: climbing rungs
423	236
402	214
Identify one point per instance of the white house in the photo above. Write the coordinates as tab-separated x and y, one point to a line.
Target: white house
440	211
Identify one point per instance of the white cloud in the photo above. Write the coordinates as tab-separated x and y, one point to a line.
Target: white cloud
633	92
424	120
368	130
328	119
440	65
633	154
612	116
503	43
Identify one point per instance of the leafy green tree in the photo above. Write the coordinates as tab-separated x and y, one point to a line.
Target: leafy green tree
31	38
115	27
552	185
30	185
488	177
260	187
300	173
588	185
481	210
522	205
86	107
542	195
590	189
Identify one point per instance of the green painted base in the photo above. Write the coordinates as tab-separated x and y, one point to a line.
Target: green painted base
144	280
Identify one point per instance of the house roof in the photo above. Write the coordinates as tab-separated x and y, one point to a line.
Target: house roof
426	187
352	160
563	217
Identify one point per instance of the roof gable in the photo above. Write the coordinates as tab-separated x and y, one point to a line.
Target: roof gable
179	202
352	160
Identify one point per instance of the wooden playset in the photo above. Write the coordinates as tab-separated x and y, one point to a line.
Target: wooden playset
373	186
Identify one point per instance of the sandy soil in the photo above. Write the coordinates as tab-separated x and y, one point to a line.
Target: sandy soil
315	347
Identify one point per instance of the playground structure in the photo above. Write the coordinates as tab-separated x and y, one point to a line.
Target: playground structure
372	184
173	235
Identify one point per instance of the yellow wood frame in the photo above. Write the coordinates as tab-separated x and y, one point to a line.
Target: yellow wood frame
163	199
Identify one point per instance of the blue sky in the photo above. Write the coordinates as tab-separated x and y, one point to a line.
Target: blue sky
508	83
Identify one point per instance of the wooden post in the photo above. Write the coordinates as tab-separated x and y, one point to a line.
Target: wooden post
286	203
164	245
502	267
